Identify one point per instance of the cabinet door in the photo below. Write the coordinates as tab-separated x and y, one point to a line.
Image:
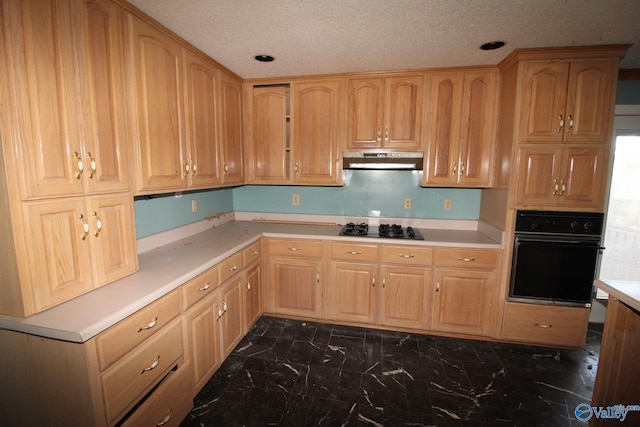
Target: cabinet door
538	181
590	98
269	117
403	112
366	113
444	128
232	152
202	340
295	287
112	237
106	150
232	319
583	177
544	97
316	129
252	296
353	292
404	296
41	67
201	112
463	301
478	133
156	70
59	251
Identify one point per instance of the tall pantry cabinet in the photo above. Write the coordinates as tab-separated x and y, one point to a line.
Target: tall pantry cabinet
65	185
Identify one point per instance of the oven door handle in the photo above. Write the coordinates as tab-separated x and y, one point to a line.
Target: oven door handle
551	240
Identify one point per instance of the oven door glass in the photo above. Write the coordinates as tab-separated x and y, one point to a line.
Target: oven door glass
555	272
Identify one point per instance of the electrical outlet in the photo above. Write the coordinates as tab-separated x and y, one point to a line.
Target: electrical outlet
194	205
447	204
295	199
407	203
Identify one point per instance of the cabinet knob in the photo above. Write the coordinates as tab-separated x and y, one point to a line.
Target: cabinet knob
226	168
187	168
438	284
570	128
560	124
85	227
379	134
166	419
454	168
93	165
151	367
563	187
79	165
556	187
98	224
151	325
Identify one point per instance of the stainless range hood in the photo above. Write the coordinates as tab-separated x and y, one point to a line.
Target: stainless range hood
384	160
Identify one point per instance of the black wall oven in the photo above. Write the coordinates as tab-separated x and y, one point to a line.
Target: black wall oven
555	256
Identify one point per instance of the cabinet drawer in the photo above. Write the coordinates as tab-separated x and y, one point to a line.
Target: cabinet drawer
199	287
122	337
127	381
467	258
169	404
354	252
541	324
413	255
231	266
252	253
296	247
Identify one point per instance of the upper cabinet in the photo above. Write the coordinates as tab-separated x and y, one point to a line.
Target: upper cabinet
68	131
157	82
187	115
567	101
294	132
70	225
385	112
462	128
232	134
202	167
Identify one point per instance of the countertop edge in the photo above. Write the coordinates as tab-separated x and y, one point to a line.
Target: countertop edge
627	292
59	322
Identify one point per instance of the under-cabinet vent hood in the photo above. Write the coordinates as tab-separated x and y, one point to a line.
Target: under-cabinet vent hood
385	160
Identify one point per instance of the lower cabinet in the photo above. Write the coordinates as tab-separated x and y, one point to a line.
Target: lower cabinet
465	291
364	290
545	324
230	314
294	277
252	295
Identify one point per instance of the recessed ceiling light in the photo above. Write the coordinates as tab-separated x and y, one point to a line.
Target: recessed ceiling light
264	58
492	45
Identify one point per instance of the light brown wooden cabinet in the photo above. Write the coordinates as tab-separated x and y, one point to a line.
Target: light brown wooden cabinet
462	128
232	314
465	291
560	176
386	112
294	277
567	101
364	290
294	132
232	133
545	324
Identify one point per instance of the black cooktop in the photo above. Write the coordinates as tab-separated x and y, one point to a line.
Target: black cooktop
389	231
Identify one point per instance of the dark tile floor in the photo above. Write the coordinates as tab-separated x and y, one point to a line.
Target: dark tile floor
292	373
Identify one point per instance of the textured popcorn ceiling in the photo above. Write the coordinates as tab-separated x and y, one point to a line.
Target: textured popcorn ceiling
336	36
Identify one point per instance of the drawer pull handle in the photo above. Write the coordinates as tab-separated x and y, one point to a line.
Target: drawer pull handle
204	288
153	366
295	249
254	253
234	268
406	255
224	306
354	252
151	324
248	285
466	259
220	312
543	325
438	284
166	418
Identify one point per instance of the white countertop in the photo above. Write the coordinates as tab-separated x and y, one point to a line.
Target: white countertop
625	291
167	267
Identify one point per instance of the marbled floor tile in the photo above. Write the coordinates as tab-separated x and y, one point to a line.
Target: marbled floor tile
292	373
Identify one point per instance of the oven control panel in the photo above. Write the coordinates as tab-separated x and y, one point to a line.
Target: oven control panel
554	222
